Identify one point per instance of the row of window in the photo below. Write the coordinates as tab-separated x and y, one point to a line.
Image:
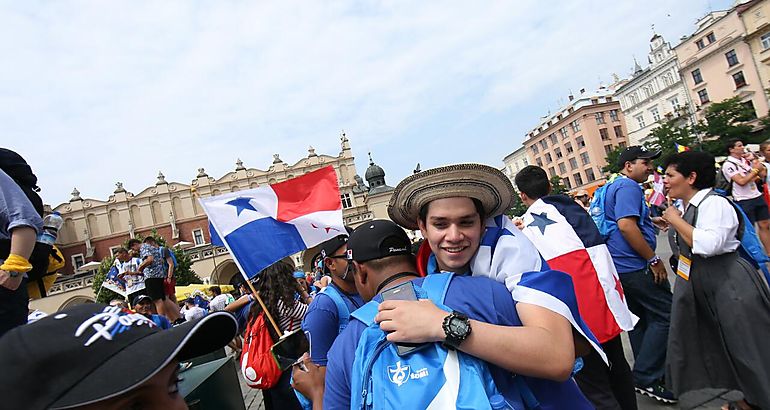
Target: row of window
575	125
732	60
655	113
738	79
649	89
576	178
579	141
573	164
705	40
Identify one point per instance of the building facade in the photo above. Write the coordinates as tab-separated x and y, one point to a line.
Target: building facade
654	93
94	228
573	143
755	16
514	162
716	63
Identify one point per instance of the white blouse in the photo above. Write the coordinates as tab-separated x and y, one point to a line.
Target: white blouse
716	227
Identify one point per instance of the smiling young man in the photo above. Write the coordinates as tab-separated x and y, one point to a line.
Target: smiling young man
458	209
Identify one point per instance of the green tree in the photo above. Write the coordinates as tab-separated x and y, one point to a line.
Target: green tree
612	161
517	208
557	186
183	272
723	121
665	136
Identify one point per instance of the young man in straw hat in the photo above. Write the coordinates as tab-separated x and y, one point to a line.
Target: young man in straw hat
458	209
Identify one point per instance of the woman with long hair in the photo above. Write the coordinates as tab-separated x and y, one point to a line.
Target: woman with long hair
720	317
287	304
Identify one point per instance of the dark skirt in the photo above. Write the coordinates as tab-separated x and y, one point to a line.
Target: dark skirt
720	329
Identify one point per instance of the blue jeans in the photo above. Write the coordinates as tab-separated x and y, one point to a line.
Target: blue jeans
652	303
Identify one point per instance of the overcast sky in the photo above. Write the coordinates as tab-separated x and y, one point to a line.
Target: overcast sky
96	92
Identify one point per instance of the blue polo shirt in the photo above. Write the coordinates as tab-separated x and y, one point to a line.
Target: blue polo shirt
625	198
481	299
322	321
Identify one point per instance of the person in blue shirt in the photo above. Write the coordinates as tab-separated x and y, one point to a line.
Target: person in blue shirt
382	259
144	306
322	321
642	273
20	222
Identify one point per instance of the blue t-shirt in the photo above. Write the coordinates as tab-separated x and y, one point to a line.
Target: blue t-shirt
161	321
481	299
625	198
322	321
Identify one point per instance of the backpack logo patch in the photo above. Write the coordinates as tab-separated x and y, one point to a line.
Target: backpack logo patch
398	374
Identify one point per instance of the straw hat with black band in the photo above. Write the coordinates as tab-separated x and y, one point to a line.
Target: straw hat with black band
482	182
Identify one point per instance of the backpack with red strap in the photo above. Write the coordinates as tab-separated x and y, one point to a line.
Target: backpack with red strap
258	366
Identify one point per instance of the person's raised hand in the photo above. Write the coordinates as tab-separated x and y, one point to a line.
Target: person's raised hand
308	379
411	321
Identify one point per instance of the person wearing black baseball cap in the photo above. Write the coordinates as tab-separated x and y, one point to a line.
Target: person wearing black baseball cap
642	273
93	356
380	253
328	313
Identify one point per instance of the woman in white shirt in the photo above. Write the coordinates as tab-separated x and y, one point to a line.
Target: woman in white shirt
720	317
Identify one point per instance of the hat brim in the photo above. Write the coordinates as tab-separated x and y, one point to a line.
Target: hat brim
144	358
482	182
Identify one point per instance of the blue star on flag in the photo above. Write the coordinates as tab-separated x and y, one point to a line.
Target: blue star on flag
541	221
242	203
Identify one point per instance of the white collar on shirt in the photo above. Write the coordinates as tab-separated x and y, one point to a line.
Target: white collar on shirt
698	197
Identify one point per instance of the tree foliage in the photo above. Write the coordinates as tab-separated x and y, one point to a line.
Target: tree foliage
557	186
517	207
666	136
183	272
612	161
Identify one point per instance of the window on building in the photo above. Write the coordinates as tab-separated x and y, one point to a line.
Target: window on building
599	117
674	103
614	115
548	157
732	59
535	149
621	145
572	164
568	147
539	162
198	238
557	152
703	95
696	77
346	201
750	106
553	138
113	249
765	40
607	149
618	131
640	120
551	172
604	134
575	126
655	114
590	175
562	169
580	143
78	260
633	99
578	178
711	37
543	143
584	158
739	80
566	182
700	43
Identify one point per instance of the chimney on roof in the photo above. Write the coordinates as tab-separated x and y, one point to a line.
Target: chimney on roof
571	97
582	91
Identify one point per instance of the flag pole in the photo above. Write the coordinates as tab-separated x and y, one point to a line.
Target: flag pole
264	309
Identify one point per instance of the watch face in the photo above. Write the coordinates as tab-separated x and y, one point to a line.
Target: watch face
458	326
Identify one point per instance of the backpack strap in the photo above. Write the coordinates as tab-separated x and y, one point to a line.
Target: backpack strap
343	312
367	312
436	286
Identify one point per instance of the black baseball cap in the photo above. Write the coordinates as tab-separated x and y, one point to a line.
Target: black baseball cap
635	152
332	245
378	239
93	352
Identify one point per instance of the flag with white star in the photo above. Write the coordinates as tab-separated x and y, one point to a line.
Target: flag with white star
263	225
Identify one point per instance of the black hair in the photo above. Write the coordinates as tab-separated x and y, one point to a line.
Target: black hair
533	181
701	163
150	239
730	144
132	242
276	282
121	250
423	214
215	290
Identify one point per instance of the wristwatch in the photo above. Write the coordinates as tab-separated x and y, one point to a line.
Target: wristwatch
654	260
457	328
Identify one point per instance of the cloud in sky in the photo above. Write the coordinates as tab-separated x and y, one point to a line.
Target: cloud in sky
97	92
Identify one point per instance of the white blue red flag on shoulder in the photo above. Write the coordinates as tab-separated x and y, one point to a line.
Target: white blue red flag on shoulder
264	225
568	239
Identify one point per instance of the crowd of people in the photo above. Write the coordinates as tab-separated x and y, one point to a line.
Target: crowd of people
489	312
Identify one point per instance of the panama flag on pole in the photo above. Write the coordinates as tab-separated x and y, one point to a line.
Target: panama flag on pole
264	225
569	241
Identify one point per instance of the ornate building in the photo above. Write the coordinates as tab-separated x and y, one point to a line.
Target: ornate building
94	228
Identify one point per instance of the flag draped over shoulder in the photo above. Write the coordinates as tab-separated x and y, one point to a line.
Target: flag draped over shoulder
658	196
263	225
568	239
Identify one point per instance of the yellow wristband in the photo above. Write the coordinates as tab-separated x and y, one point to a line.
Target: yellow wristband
754	170
16	263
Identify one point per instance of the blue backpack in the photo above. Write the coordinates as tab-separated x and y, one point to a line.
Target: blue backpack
164	253
598	214
751	248
429	378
